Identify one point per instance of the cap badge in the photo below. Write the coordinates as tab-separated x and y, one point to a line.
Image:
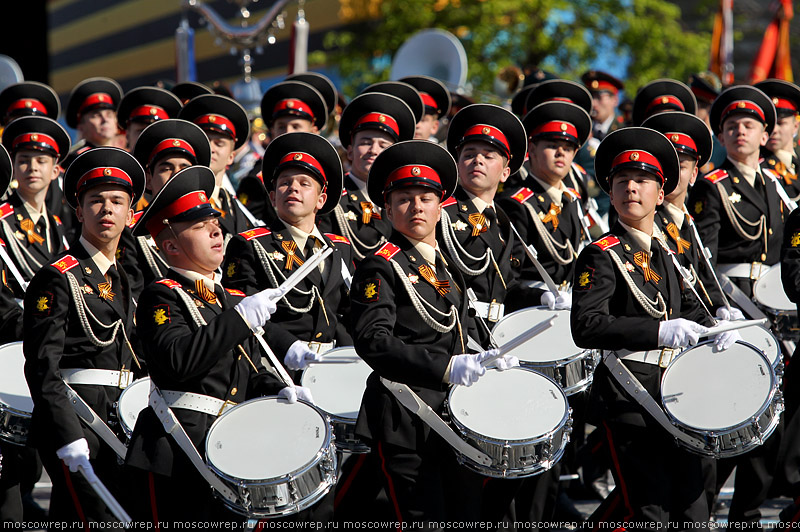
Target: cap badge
741	105
30	104
298	156
635	156
290	104
595	84
485	131
415	171
202	197
664	99
675	138
176	143
563	126
107	172
775	101
34	137
153	111
381	119
101	98
212	119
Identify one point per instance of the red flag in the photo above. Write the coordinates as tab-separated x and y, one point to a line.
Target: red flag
721	62
773	58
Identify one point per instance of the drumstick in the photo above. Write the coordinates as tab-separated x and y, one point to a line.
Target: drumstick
102	491
521	339
530	251
732	326
302	272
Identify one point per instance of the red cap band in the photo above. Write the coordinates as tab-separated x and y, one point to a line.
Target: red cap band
292	106
743	106
217	123
637	157
665	101
170	144
179	206
481	131
301	158
428	100
788	105
381	120
29	104
682	141
153	112
417	174
602	85
104	174
36	141
556	127
95	100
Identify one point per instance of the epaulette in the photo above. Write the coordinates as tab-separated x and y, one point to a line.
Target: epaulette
523	194
717	175
337	238
57	219
387	251
580	168
235	292
258	232
577	194
761	160
136	217
449	201
2	242
65	263
344	192
6	209
606	242
169	283
260	176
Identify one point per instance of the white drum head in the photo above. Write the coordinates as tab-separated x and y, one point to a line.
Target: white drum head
338	382
516	404
266	438
552	345
132	401
716	391
14	390
768	291
761	338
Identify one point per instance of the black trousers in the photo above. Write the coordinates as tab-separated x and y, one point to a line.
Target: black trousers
21	470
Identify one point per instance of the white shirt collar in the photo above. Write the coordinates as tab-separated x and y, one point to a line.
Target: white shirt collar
301	237
785	156
555	193
603	127
97	256
640	237
479	204
427	251
194	277
677	214
749	173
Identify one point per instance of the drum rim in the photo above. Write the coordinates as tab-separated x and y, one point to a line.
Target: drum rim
119	401
774	268
496	441
718	432
555	363
328	444
336	417
7	408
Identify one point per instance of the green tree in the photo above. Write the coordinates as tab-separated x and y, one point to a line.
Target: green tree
565	36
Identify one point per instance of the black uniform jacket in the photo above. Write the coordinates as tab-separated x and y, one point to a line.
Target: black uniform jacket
187	358
788	176
689	252
28	256
606	315
10	310
133	258
714	224
55	339
398	345
790	257
564	226
324	322
233	220
364	229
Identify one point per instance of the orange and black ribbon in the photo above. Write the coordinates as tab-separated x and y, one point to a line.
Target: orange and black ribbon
290	247
368	212
478	221
552	215
218	209
680	243
202	290
105	292
643	261
785	173
28	226
427	273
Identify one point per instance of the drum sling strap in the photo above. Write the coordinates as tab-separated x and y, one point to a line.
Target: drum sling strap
88	415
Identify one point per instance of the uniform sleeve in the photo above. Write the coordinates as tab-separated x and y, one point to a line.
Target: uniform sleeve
173	343
595	290
46	316
239	268
704	206
344	324
790	257
10	313
374	313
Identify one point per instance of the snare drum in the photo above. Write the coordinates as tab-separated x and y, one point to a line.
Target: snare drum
278	457
16	404
337	383
552	352
761	338
132	400
519	417
729	400
769	294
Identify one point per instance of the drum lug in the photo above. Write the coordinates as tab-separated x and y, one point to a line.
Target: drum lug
505	456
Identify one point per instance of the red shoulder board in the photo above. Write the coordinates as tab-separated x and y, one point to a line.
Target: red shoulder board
255	233
337	238
344	192
523	194
85	148
65	263
449	201
2	242
607	242
716	176
169	283
577	194
234	292
6	209
579	167
761	160
57	219
387	251
260	176
136	217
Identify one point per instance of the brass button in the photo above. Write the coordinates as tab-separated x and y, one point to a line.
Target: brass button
318	335
763	256
233	391
240	357
770	231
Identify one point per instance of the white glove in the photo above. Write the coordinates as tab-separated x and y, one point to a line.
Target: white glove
729	315
679	332
562	302
467	369
257	309
76	454
299	356
726	339
293	393
506	362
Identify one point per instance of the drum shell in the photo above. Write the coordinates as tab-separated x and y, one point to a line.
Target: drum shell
14	425
574	374
344	432
15	421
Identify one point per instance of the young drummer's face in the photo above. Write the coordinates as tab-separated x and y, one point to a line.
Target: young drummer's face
481	167
199	242
104	211
34	171
164	169
635	194
687	177
98	126
427	127
133	132
367	145
551	160
414	211
742	136
297	195
221	152
784	134
290	124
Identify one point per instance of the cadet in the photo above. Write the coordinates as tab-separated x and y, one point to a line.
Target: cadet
660	96
780	153
141	107
92	110
78	319
437	101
